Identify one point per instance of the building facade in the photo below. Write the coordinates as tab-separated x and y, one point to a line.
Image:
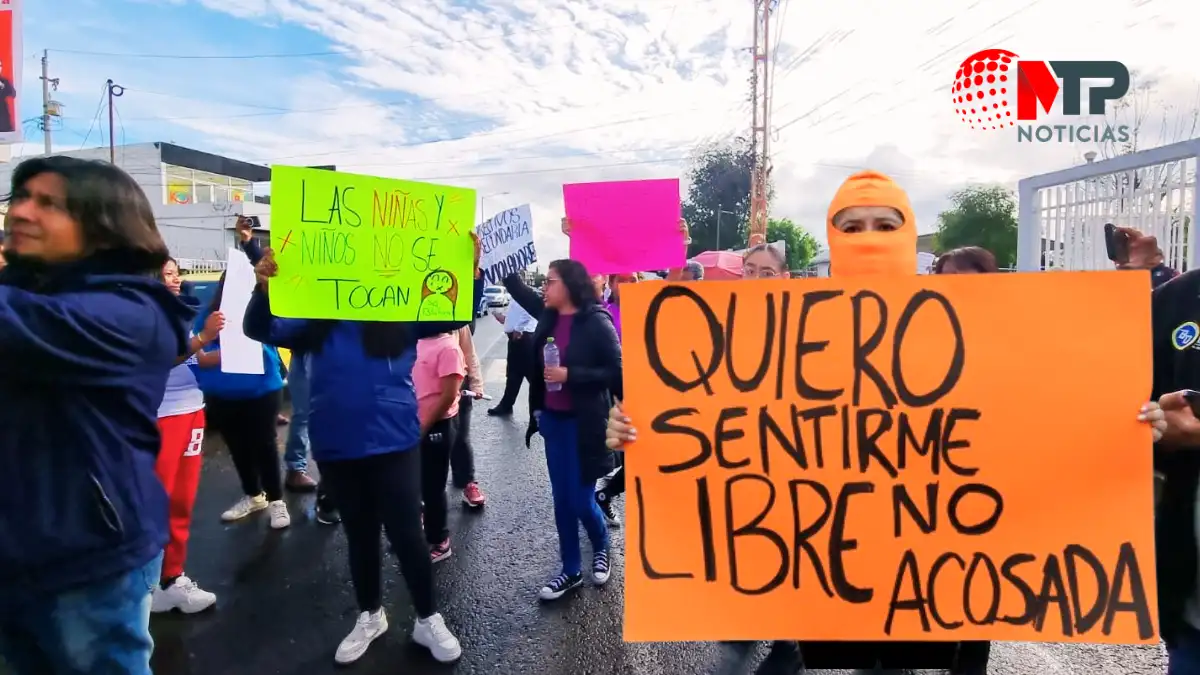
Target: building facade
196	196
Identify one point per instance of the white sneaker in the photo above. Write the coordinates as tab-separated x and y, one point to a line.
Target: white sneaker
183	595
369	626
280	518
433	635
244	507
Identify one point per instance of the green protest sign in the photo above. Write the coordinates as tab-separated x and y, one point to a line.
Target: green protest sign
365	248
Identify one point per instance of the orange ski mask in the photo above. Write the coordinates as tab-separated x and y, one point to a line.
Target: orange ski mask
872	253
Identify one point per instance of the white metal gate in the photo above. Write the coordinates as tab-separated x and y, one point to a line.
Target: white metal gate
1062	214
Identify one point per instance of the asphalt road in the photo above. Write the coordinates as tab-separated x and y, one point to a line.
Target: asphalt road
285	600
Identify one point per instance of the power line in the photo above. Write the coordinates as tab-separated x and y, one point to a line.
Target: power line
96	117
303	55
502	131
782	7
609	165
926	66
324	53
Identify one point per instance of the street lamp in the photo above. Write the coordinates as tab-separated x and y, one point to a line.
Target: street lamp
719	212
489	196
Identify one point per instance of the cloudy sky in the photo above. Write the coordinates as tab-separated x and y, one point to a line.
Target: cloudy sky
516	97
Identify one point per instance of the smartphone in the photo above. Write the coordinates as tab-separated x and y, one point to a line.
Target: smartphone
1193	398
1117	243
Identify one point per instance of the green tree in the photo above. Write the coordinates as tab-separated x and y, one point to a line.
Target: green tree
984	216
719	193
801	246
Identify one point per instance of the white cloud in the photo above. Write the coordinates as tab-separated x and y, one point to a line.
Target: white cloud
536	93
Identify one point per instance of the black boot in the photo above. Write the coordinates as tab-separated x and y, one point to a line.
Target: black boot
784	659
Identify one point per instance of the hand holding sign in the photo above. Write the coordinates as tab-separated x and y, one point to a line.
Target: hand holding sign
620	429
212	327
1182	426
266	267
1152	414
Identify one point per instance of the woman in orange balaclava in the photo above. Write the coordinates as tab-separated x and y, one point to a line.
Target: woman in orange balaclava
871	228
872	232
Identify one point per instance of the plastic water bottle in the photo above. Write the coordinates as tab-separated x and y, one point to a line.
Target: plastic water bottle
550	356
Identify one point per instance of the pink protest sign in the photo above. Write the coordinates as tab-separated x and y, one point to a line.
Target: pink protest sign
625	226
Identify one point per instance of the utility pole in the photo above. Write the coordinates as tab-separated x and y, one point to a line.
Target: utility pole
49	107
114	91
761	121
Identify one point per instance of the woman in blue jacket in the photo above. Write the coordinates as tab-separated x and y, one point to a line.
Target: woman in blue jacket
88	335
364	433
244	409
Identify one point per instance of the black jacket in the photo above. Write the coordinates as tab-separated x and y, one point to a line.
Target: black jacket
593	363
1176	334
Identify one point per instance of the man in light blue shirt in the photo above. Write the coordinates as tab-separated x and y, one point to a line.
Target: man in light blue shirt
518	327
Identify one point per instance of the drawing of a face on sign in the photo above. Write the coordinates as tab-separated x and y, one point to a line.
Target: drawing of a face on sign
439	295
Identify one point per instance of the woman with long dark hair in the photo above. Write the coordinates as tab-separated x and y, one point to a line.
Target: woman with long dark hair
244	408
966	260
181	425
571	402
88	335
364	434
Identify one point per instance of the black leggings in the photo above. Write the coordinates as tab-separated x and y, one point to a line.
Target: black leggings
382	491
462	456
436	447
249	429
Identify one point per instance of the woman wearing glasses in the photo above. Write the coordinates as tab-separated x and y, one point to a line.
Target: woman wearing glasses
763	262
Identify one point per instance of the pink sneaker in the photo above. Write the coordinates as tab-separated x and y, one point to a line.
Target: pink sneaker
473	496
440	552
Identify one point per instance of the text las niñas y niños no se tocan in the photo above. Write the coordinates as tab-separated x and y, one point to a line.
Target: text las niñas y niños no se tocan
370	249
824	461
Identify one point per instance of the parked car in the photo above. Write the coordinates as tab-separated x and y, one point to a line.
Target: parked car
495	296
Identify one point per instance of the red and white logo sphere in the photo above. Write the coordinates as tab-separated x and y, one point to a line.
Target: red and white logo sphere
981	86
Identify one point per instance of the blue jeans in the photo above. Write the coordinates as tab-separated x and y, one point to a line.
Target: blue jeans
295	453
1183	658
574	499
100	629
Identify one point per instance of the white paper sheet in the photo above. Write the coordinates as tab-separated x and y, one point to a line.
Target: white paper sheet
239	354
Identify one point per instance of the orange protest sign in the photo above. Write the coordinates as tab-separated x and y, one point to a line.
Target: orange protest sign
919	458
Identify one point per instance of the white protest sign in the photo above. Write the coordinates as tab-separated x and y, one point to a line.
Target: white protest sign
506	244
925	262
239	354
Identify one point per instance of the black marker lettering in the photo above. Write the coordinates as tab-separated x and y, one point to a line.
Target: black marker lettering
663	424
864	347
804	348
651	340
955	369
649	570
839	545
764	361
753	529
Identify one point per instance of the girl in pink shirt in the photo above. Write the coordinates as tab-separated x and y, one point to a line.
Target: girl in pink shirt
437	377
